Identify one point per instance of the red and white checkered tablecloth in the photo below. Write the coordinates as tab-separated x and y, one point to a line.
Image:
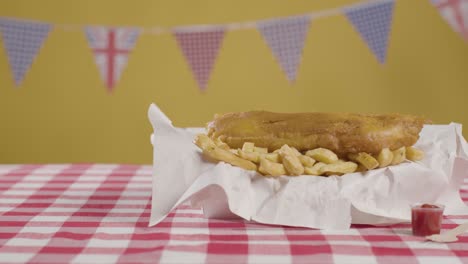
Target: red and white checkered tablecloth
96	213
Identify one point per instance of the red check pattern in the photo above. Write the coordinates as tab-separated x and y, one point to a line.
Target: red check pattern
99	213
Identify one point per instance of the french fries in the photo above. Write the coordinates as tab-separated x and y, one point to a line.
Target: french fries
399	156
289	161
317	169
221	144
248	147
322	155
234	151
414	154
204	142
261	150
252	156
306	161
295	151
274	157
268	167
361	168
228	157
341	167
285	149
385	157
365	159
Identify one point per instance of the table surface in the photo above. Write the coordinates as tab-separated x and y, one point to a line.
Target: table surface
99	213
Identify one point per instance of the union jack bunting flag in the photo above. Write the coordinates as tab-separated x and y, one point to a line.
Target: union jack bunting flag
455	12
111	47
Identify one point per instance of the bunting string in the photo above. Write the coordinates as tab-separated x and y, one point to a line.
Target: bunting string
111	46
160	30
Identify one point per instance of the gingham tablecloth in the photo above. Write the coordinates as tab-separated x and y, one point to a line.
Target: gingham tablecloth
96	213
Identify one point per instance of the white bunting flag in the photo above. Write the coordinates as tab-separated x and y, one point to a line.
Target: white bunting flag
286	38
373	22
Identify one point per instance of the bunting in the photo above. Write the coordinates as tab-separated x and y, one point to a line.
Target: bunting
455	13
373	22
22	41
200	44
200	49
286	38
111	48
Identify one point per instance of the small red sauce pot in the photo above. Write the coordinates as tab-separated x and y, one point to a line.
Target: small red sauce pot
426	219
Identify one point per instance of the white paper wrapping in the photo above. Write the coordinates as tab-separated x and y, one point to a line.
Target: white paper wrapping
377	197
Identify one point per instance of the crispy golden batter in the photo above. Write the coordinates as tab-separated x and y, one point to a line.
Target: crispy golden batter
343	133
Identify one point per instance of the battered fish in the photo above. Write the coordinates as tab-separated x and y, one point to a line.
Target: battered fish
343	133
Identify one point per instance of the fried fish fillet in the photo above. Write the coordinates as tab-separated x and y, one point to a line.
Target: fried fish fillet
343	133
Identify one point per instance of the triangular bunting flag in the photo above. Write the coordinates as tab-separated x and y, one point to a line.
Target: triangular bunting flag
373	23
286	38
111	47
22	40
455	13
201	49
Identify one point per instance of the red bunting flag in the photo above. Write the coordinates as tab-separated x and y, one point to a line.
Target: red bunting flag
201	49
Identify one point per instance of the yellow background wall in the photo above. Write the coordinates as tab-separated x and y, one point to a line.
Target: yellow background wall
63	113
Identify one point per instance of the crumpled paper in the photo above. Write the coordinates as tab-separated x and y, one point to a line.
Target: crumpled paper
378	197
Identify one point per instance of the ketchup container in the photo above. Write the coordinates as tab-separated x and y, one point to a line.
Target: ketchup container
426	219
